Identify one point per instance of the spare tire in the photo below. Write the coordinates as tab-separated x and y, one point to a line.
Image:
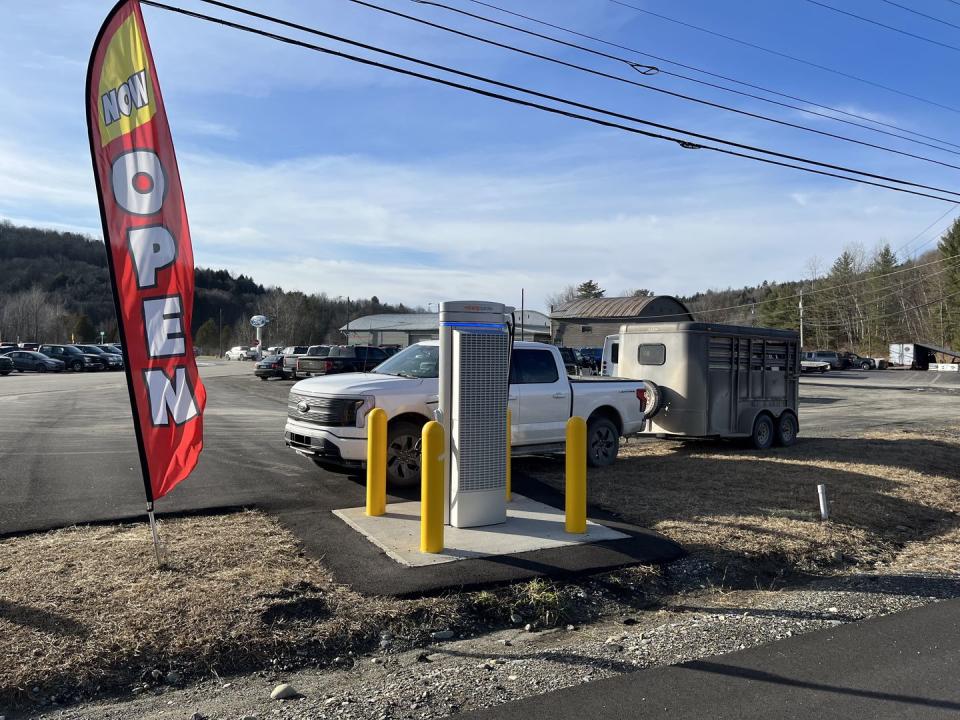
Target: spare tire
655	398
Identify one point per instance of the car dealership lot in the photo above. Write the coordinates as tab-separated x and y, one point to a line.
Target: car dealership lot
67	450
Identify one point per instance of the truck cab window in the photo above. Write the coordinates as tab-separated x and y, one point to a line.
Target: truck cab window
533	366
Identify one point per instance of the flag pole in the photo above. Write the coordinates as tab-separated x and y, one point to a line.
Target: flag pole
156	535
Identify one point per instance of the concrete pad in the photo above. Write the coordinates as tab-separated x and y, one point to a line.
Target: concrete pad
530	526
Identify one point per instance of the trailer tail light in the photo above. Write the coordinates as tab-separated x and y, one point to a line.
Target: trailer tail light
642	397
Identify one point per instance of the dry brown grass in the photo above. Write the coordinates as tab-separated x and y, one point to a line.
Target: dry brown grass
87	607
85	610
760	510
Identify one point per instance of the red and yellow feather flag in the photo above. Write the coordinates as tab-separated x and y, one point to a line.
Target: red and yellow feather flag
148	248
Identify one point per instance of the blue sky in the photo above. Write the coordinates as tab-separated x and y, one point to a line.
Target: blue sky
313	173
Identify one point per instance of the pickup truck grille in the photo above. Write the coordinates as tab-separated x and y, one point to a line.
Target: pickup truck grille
326	411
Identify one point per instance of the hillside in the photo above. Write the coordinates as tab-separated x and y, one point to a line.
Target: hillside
55	286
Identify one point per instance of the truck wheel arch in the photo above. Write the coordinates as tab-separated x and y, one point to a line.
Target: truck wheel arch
611	414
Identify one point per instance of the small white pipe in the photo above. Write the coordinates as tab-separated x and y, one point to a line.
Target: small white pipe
824	509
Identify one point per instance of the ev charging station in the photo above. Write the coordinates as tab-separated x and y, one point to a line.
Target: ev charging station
474	384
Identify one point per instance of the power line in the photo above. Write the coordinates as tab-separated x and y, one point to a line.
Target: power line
923	38
771	51
710	74
924	231
686	144
812	291
599	73
921	14
902	311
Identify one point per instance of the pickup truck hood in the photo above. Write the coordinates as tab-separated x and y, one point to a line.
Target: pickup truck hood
362	384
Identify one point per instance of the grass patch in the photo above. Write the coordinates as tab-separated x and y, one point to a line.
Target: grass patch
758	511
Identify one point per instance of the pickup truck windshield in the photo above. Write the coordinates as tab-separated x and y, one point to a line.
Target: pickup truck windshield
417	361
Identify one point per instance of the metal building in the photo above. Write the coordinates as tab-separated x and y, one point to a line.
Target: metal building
586	322
403	329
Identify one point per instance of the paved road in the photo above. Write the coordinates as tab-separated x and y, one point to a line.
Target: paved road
67	450
899	666
68	453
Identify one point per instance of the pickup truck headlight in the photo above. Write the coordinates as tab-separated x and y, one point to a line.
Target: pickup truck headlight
368	403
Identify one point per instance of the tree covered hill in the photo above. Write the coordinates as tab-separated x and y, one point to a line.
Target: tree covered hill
55	286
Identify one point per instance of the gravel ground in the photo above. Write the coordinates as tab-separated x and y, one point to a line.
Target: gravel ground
461	674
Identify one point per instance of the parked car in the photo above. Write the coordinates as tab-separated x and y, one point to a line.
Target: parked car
268	367
326	416
112	361
8	346
837	361
341	359
571	360
30	346
311	362
592	357
32	361
6	365
858	361
241	352
291	353
819	366
73	358
110	348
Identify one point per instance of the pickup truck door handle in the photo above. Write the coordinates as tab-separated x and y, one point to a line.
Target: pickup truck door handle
559	395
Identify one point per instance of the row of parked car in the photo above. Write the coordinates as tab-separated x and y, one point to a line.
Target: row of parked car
302	361
823	360
37	357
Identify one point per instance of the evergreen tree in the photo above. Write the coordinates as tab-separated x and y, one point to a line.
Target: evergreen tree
206	337
590	289
83	331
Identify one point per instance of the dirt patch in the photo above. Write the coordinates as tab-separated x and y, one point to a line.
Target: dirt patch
85	611
756	513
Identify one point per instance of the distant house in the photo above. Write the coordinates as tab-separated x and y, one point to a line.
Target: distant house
586	322
404	329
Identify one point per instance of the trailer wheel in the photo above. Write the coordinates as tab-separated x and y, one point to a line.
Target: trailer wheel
603	442
762	436
787	429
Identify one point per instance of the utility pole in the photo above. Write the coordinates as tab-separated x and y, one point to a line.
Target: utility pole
801	318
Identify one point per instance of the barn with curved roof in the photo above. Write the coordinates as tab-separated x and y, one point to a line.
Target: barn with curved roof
585	322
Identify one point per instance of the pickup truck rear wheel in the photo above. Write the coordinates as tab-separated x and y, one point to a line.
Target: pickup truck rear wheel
403	454
603	442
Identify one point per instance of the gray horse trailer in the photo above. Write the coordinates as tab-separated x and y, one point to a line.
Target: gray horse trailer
716	380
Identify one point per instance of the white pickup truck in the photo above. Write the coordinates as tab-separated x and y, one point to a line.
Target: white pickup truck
326	416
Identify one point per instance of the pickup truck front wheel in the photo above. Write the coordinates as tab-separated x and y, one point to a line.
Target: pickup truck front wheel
403	454
603	442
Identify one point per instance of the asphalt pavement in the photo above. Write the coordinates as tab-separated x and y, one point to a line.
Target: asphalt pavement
889	668
68	456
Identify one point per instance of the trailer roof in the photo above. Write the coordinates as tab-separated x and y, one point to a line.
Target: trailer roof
707	327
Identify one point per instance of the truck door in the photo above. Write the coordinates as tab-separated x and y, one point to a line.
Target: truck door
539	397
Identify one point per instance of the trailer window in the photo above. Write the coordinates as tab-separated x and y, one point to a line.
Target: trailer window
615	353
651	354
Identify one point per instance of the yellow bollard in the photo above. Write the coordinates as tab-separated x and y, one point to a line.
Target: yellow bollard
509	468
431	488
376	462
576	490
